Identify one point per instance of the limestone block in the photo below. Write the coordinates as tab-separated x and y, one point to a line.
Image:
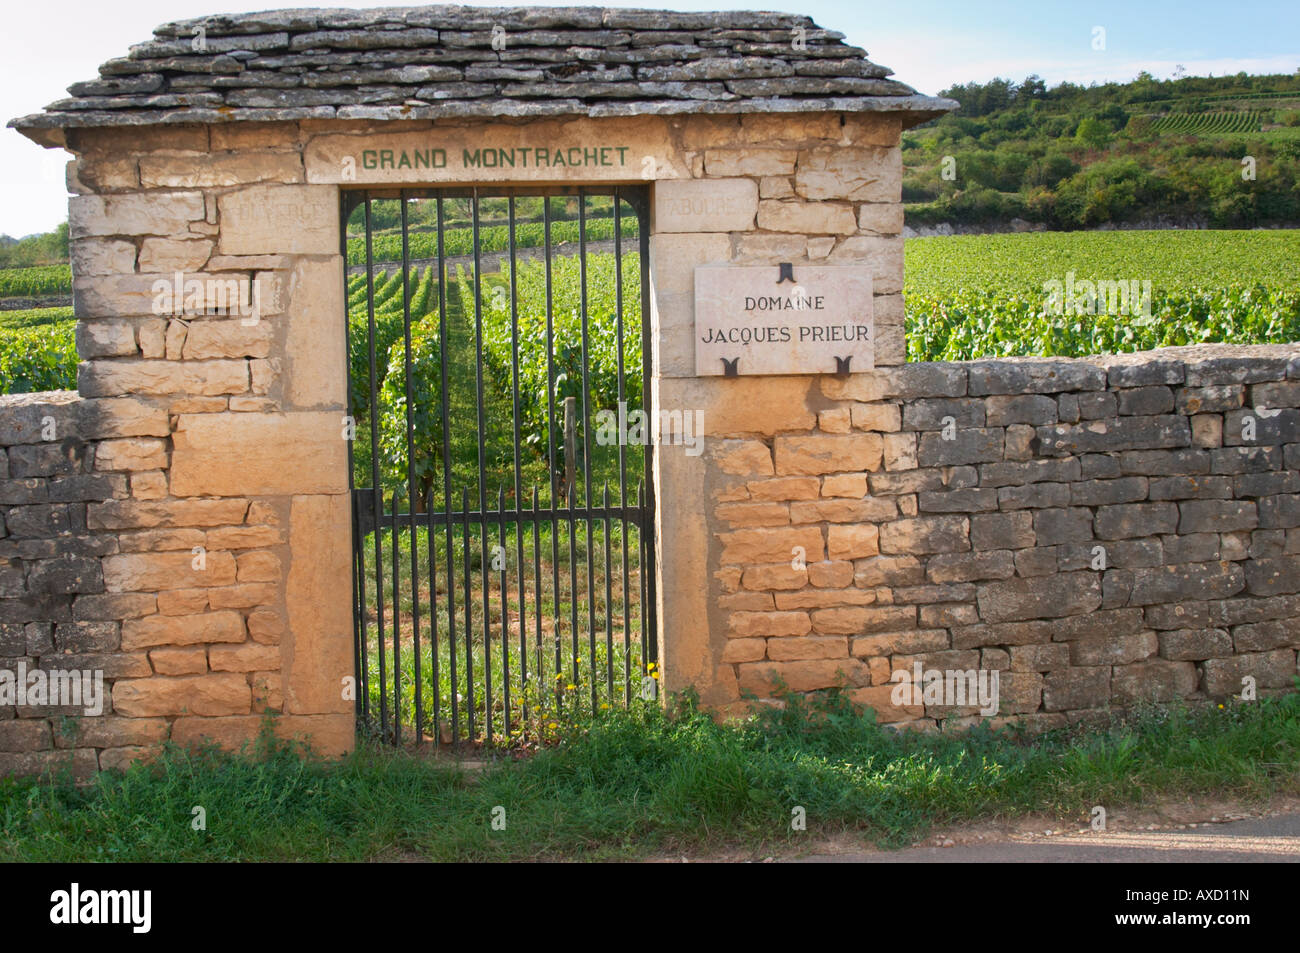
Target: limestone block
103	173
673	259
926	534
316	341
705	205
131	514
743	405
105	339
168	255
808	647
217	171
102	256
884	255
280	219
206	340
182	630
188	660
828	453
226	694
764	248
1046	597
786	127
248	657
109	731
775	188
117	378
756	162
154	213
131	453
253	135
767	545
264	455
882	218
317	645
765	679
867	174
810	218
150	572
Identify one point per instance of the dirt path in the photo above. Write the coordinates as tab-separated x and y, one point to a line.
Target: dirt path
1171	832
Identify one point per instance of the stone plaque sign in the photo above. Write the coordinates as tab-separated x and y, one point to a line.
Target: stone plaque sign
542	151
783	319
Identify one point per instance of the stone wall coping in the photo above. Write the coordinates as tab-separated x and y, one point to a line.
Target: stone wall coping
443	62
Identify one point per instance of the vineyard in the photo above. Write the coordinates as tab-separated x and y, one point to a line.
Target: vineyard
1209	123
35	282
504	344
459	242
983	296
967	297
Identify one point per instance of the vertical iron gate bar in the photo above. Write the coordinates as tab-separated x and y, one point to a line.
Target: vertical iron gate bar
433	619
586	437
647	513
575	362
519	500
377	496
505	615
360	697
537	588
641	545
609	615
397	624
469	620
411	495
444	400
550	447
622	444
482	468
362	687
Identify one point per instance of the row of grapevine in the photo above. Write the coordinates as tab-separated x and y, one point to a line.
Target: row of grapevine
1208	122
1185	260
984	296
35	282
492	238
34	317
498	355
37	358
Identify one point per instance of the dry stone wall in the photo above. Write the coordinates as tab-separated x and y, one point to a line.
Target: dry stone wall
181	526
101	580
1099	532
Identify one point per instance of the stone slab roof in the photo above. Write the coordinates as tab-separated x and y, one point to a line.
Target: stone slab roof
439	62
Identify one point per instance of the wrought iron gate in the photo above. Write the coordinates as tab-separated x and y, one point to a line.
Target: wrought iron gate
497	341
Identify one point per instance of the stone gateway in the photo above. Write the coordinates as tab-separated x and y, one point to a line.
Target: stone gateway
1098	532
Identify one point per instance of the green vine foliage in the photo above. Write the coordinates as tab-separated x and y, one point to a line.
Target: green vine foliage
38	358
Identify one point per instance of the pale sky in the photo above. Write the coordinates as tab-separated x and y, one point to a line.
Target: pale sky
930	44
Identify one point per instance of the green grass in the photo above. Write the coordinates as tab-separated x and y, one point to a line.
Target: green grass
645	783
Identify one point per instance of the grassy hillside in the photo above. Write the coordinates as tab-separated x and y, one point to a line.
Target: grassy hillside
1076	157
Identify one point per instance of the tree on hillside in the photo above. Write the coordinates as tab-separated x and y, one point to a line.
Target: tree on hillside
1093	133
